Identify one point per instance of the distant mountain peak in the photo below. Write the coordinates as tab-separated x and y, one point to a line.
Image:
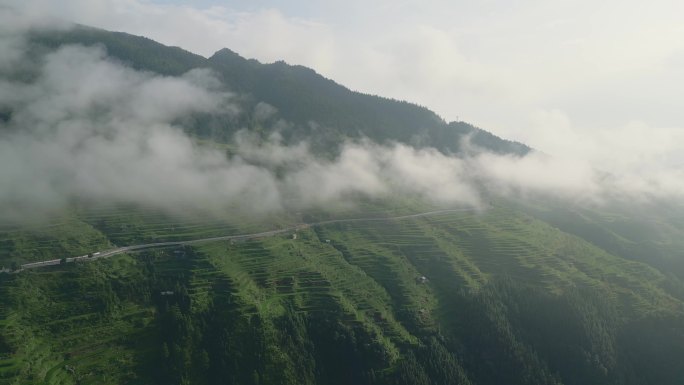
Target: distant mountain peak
226	52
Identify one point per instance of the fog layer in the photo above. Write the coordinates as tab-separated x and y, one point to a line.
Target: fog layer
85	127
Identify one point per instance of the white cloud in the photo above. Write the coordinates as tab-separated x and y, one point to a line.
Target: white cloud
569	179
88	128
597	86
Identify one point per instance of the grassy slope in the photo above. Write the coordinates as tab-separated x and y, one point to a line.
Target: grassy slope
99	318
652	233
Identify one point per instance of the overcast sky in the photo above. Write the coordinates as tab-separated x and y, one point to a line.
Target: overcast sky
600	80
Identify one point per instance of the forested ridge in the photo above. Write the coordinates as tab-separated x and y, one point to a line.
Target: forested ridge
318	109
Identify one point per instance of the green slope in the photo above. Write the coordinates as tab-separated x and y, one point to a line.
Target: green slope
649	232
505	296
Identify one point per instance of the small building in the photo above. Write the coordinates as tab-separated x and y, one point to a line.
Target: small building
422	279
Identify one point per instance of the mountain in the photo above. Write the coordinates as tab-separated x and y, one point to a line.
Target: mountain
395	289
318	108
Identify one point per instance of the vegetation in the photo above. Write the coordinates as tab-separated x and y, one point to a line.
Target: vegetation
506	298
516	294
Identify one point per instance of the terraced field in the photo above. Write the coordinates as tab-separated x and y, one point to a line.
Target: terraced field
62	327
98	227
393	280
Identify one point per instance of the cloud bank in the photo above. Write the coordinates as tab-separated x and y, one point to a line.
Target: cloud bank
85	128
572	79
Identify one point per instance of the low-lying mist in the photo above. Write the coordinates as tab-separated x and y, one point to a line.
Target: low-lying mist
86	127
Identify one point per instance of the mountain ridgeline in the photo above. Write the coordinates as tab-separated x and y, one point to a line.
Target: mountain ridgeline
316	109
517	292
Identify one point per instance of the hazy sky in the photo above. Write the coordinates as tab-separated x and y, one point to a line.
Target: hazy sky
598	80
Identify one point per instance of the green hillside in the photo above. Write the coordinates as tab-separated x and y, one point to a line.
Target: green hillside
652	233
472	297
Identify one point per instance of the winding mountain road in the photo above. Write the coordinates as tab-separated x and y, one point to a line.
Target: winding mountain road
239	237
